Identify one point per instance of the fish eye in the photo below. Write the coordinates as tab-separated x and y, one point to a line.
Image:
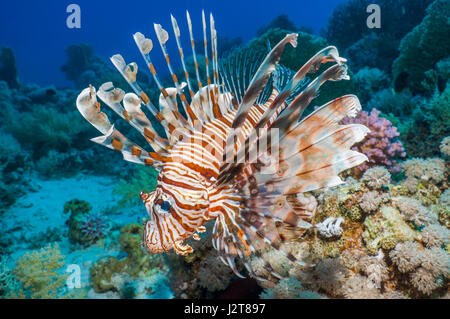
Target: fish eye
165	206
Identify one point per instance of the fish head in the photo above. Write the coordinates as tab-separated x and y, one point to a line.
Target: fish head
173	218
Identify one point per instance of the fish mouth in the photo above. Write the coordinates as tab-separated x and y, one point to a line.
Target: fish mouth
154	243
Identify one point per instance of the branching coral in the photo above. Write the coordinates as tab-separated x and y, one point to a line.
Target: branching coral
39	271
379	145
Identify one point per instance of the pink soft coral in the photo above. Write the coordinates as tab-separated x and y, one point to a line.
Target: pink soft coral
379	145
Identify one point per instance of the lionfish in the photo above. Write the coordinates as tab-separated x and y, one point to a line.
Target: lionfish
239	154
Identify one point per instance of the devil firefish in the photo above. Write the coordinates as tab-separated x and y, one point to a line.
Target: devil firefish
233	146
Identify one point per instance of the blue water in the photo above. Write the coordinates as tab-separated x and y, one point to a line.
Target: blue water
37	31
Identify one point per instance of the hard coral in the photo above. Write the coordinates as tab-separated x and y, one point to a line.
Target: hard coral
380	145
376	177
385	230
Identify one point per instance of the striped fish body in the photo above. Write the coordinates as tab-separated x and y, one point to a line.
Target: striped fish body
188	182
242	156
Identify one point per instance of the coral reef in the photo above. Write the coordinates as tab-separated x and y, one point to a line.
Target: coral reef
48	133
428	125
425	179
8	69
376	177
445	146
413	211
380	145
396	25
427	42
9	285
39	272
392	245
281	22
368	81
201	274
289	289
14	166
85	227
137	274
83	67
